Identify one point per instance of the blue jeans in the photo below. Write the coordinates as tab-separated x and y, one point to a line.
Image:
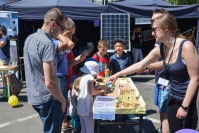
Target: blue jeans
63	86
51	116
137	55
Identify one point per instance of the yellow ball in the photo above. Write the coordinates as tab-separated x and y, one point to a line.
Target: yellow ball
13	100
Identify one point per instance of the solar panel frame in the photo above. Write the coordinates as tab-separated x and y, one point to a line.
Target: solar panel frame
115	25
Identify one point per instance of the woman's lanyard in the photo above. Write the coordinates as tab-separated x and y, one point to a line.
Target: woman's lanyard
170	54
164	79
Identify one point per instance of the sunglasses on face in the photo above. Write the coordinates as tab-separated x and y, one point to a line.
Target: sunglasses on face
61	26
155	29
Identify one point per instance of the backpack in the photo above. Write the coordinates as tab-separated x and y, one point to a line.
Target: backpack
15	84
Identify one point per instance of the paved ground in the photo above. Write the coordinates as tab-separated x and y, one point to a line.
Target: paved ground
23	119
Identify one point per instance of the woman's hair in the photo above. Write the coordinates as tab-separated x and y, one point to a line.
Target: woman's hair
161	11
103	43
77	81
167	21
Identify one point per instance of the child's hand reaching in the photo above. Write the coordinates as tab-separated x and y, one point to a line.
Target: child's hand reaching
103	92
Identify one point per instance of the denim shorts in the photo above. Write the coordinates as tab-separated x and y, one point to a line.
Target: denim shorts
161	98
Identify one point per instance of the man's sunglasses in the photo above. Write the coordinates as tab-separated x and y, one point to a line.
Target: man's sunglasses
62	27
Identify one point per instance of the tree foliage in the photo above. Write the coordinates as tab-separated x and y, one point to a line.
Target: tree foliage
183	2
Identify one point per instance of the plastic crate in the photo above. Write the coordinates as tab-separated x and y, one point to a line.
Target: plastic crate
104	108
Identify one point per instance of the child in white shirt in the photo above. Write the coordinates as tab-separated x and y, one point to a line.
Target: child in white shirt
84	89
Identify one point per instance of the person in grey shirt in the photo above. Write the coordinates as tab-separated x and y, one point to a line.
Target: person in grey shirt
43	90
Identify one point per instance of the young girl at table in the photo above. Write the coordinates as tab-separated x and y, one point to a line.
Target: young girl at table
85	89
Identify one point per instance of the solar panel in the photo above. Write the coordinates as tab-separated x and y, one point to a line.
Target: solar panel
115	25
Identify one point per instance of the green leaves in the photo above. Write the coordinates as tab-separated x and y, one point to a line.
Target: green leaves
183	2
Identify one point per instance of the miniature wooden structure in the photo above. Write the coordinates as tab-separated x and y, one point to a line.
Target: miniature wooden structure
128	100
128	97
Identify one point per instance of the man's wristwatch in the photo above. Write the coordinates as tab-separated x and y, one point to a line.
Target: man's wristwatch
185	108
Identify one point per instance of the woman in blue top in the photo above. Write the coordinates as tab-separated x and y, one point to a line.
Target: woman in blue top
181	65
4	46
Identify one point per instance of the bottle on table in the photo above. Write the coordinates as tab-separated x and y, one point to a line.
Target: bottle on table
106	71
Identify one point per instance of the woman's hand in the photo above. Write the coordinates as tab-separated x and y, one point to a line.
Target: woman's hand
113	78
181	113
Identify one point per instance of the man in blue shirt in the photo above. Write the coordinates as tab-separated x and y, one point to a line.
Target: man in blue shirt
62	45
4	46
62	64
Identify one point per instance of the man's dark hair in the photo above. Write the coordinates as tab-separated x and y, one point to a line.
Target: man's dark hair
3	29
54	14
